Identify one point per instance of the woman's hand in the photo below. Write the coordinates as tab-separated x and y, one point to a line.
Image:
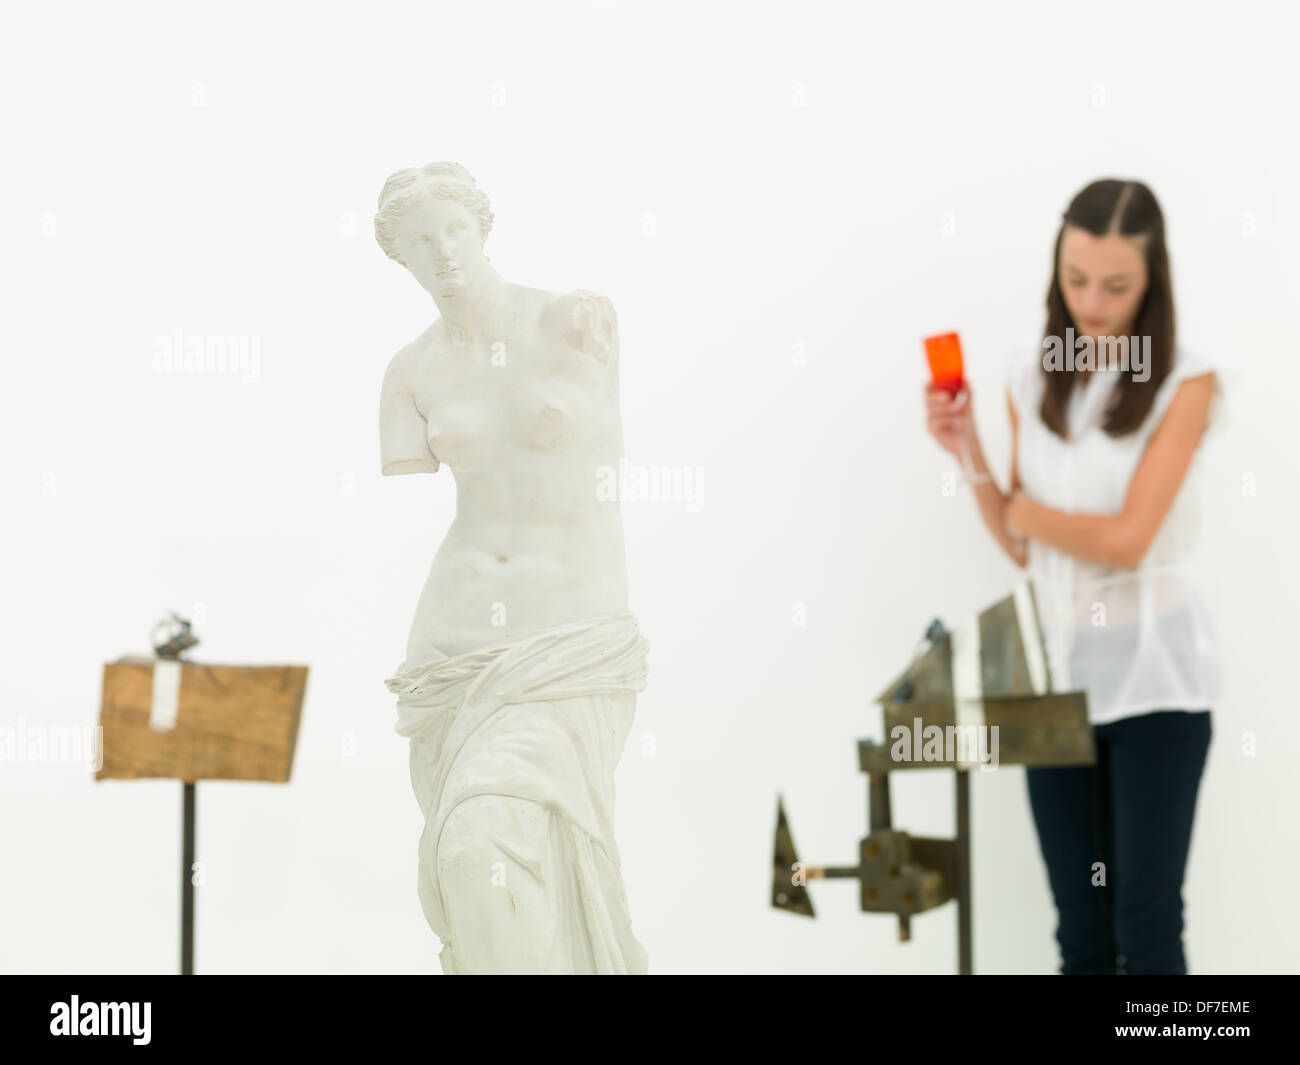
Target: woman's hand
949	417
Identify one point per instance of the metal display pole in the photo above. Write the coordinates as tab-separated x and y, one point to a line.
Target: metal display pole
187	881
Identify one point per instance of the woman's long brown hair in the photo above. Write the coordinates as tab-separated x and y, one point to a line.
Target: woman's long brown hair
1130	209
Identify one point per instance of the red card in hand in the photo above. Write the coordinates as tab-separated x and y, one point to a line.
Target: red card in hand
944	353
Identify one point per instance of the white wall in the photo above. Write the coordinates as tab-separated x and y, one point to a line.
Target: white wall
747	182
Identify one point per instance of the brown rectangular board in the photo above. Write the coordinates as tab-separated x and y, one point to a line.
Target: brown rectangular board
232	722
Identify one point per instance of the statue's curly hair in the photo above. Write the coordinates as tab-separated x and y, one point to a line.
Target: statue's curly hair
406	188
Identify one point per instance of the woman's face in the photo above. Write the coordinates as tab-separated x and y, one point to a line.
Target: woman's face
1103	280
440	243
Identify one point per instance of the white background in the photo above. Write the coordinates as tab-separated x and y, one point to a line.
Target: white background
781	200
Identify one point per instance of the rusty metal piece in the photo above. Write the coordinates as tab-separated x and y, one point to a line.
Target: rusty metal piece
928	679
903	874
1004	669
786	894
1033	730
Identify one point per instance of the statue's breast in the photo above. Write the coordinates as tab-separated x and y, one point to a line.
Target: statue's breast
515	407
459	428
549	413
550	386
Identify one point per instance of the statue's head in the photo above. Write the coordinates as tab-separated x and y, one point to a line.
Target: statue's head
434	220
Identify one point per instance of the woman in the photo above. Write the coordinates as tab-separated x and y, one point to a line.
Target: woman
523	661
1096	510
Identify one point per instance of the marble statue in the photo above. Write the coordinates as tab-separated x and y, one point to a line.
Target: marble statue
519	684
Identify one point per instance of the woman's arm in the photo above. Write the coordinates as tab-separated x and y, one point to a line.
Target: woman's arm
992	502
1121	540
952	424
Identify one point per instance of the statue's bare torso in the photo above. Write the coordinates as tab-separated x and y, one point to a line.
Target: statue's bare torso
526	421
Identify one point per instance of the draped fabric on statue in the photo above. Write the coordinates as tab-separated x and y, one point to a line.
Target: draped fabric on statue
513	750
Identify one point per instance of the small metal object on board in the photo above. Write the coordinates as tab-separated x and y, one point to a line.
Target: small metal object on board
168	717
180	639
994	677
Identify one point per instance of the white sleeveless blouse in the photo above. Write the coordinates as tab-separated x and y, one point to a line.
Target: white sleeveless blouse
1134	640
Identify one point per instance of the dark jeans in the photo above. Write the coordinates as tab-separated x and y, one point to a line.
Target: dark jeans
1132	811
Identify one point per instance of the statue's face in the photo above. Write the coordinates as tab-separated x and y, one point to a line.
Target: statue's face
440	243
